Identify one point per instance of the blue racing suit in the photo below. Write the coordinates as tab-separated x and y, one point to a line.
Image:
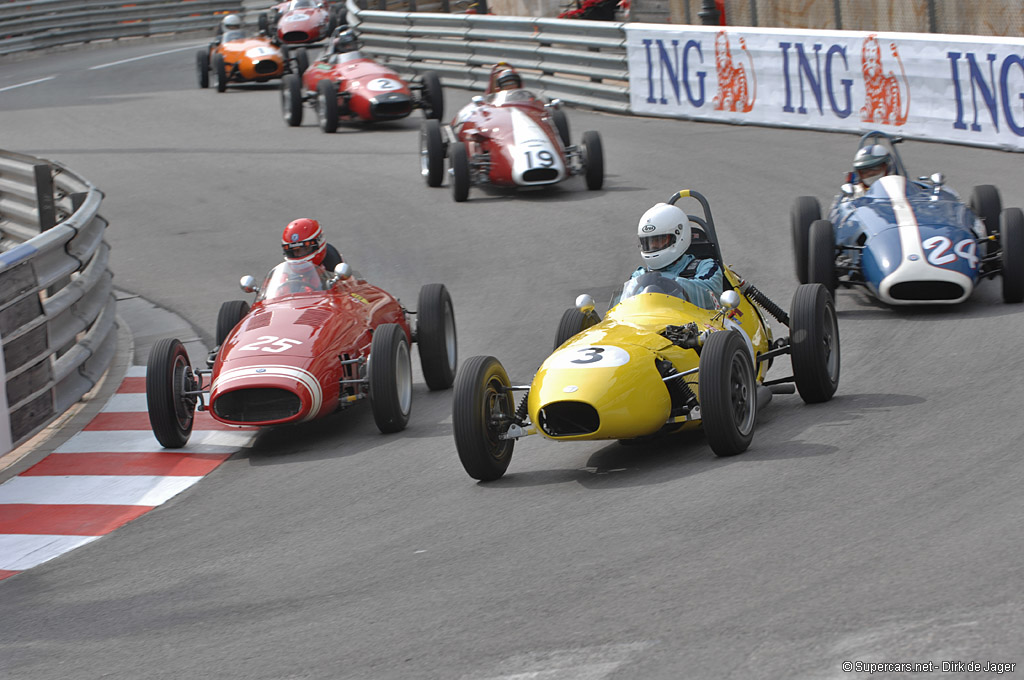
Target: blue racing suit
701	279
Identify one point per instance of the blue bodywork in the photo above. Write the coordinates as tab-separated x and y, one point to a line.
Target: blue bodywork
870	222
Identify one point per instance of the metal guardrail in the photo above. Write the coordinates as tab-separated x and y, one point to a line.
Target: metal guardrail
57	307
579	62
38	24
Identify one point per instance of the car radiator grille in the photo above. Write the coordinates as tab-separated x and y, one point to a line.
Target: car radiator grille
295	36
540	175
265	66
257	405
569	418
926	290
391	106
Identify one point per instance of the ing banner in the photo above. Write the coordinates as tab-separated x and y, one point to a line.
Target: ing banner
946	88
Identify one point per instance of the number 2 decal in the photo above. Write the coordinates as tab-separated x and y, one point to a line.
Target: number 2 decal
271	343
939	254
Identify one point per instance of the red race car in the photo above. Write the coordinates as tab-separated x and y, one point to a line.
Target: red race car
313	343
343	84
508	138
299	22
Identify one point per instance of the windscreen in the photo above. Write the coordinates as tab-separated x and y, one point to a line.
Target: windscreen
293	278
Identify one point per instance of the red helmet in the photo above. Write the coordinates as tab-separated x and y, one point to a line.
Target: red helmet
303	241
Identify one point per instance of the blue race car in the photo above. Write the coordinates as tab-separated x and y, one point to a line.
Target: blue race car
908	242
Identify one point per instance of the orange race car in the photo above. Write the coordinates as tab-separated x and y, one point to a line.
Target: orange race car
238	58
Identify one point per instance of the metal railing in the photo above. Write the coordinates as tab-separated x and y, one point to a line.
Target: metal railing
57	307
38	24
579	62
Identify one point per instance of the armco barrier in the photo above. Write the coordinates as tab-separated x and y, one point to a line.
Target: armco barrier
579	62
38	24
57	307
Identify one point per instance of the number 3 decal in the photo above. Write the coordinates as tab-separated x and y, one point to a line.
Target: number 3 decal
592	353
271	343
594	356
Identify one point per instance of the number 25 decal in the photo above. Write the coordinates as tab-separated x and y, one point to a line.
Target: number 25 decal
271	343
939	254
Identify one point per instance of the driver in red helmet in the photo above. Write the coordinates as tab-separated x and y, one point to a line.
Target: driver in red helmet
504	77
303	241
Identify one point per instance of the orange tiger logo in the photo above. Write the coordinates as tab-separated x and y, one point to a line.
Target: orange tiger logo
883	96
733	91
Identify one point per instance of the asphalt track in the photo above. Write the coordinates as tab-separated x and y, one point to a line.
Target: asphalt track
884	526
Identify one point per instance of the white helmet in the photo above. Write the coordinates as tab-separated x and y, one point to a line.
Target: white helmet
664	233
231	22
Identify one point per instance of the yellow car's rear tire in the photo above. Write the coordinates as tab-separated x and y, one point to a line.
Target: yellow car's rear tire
574	321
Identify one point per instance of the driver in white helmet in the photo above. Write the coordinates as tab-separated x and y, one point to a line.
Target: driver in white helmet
231	24
665	233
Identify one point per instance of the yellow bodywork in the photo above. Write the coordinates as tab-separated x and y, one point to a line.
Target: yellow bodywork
611	366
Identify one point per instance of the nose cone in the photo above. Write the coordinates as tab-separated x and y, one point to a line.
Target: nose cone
599	392
920	265
265	395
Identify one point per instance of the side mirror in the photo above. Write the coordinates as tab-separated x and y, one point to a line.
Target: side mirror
343	270
847	190
585	304
248	284
554	104
730	300
938	179
478	100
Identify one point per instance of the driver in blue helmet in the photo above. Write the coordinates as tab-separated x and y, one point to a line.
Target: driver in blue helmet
665	234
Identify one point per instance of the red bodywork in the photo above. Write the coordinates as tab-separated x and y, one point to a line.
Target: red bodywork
506	127
300	25
366	90
283	362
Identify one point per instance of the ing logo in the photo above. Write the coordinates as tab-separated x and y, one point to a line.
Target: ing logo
883	95
734	91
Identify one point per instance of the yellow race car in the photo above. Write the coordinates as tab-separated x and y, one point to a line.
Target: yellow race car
657	363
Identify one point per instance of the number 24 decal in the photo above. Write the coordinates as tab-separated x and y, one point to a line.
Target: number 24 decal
938	248
271	343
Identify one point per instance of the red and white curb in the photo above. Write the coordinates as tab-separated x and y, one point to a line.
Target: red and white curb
104	477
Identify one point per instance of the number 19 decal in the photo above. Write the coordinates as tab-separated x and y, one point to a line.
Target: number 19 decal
545	159
593	356
270	343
